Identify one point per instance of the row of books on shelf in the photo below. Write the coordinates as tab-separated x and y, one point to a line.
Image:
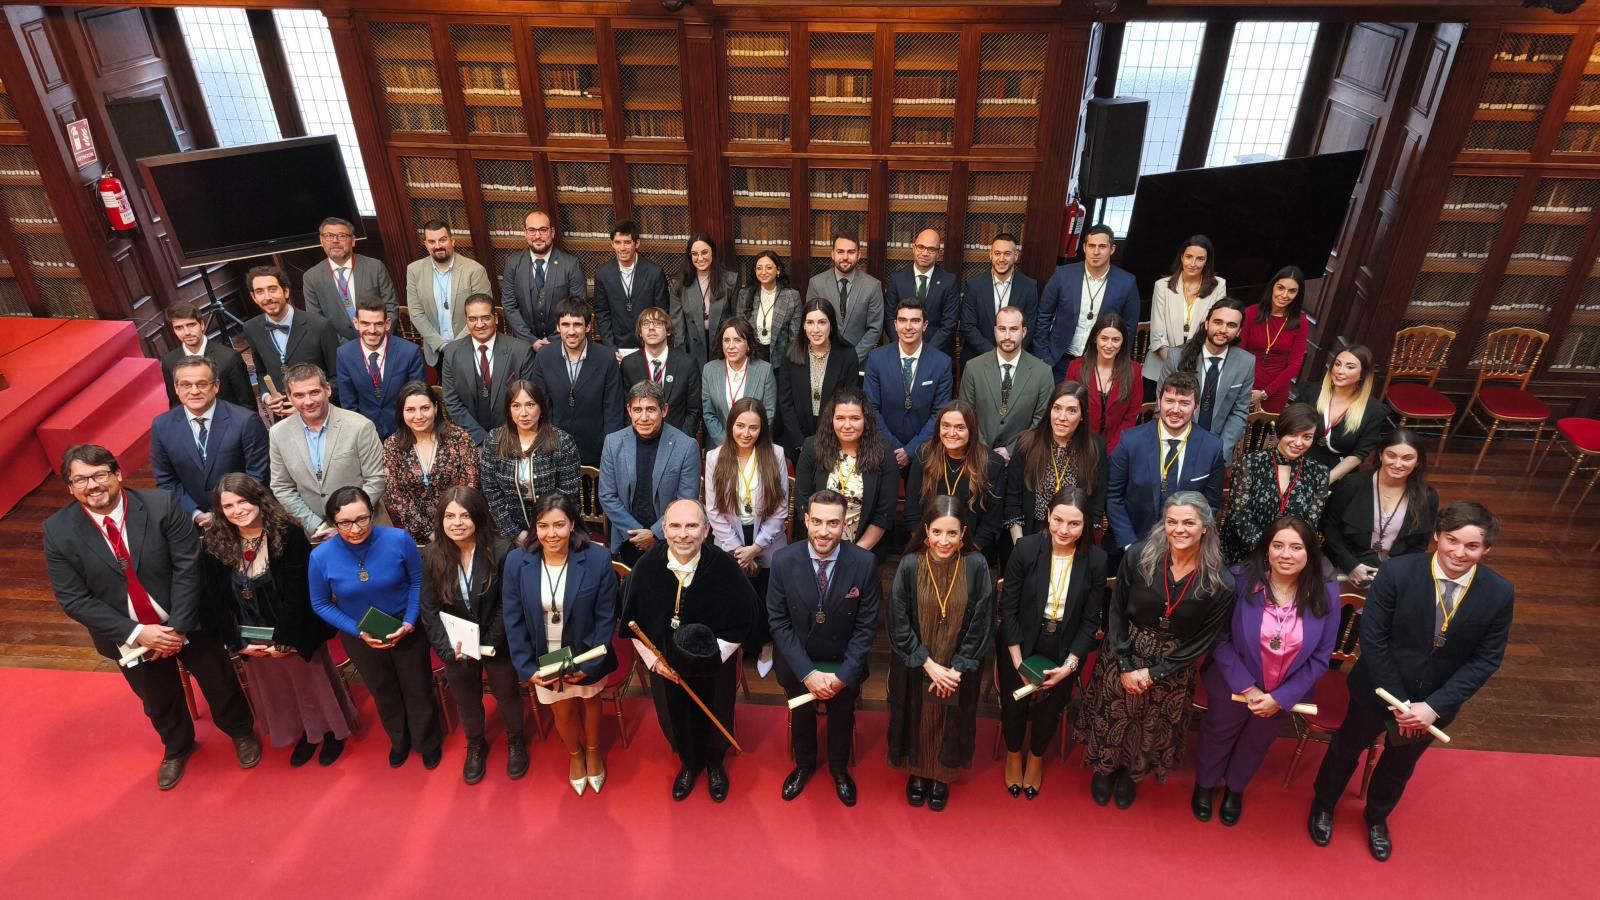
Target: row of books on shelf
924	132
757	182
528	189
563	42
981	232
1009	85
834	86
409	117
490	77
1527	294
841	131
765	83
1528	48
495	120
1587	98
28	206
929	89
580	123
824	225
748	229
757	44
1516	92
570	80
1579	139
839	184
758	127
652	124
1499	136
662	220
396	76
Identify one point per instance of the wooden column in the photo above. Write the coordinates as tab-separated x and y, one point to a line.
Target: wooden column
275	70
1204	96
702	125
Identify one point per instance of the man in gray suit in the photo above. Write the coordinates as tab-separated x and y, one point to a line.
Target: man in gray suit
643	469
331	288
1009	389
857	297
474	370
1226	373
534	282
437	288
320	449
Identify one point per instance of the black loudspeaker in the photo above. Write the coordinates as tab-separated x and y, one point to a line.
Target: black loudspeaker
1113	143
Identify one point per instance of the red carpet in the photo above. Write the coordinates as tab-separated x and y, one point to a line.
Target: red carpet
84	817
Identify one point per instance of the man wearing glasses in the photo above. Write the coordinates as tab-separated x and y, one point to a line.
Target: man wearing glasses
125	564
534	282
320	449
936	288
193	445
331	289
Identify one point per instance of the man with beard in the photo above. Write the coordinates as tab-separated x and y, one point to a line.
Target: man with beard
857	297
534	282
437	288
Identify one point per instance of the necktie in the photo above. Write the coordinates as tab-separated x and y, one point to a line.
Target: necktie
907	374
1208	395
1005	387
844	296
922	287
372	369
200	439
344	291
483	369
822	578
143	609
538	278
1166	464
1450	588
655	371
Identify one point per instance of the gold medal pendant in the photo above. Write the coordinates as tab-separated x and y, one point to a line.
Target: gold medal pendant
821	617
1438	642
364	575
1275	644
675	622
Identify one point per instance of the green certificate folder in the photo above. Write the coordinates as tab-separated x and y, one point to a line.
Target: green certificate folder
378	623
1034	667
256	634
827	667
561	658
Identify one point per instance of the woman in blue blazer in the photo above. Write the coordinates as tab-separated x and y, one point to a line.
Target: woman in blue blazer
1276	647
560	591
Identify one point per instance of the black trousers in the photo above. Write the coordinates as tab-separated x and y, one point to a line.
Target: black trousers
400	680
465	679
762	633
841	728
1040	711
1363	723
160	689
697	742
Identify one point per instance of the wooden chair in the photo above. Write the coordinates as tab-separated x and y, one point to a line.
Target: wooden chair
1141	342
1260	433
1146	413
403	327
1332	697
1510	356
1420	351
594	518
1582	441
618	681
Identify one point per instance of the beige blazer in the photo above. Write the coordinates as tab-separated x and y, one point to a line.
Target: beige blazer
470	278
351	455
1167	321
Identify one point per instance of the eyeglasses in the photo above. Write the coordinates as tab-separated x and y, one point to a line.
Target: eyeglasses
925	248
193	385
541	230
101	477
355	524
336	236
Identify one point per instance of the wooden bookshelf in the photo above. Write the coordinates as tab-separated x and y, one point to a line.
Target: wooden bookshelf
761	212
996	203
406	77
650	83
569	75
1011	72
491	84
759	87
584	210
839	203
841	89
659	192
39	273
918	199
926	88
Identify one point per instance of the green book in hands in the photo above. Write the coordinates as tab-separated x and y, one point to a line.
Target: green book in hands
1034	667
555	660
827	667
256	634
379	624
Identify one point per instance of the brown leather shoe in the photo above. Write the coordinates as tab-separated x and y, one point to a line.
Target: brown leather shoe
171	771
248	750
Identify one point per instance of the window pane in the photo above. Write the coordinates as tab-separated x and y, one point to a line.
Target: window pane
1158	63
1261	91
319	88
229	70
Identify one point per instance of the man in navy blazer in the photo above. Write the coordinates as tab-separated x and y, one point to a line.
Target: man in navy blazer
189	457
1433	631
373	369
1001	286
643	468
1160	458
822	601
534	282
936	288
590	406
906	411
625	287
1078	294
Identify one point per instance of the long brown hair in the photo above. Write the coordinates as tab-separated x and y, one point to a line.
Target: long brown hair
1208	272
1416	490
725	476
938	508
1310	591
441	559
975	464
222	539
1292	315
1037	443
404	440
544	441
869	456
1121	366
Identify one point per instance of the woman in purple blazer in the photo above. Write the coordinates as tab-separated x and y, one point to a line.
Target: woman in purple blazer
1277	645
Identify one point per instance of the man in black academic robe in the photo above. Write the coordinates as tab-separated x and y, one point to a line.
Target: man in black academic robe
688	581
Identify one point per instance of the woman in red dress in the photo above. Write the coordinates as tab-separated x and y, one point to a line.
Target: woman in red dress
1107	369
1276	336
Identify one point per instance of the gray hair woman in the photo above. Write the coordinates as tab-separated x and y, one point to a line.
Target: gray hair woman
1173	595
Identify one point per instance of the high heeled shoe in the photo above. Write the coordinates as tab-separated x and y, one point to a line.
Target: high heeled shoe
596	782
1013	774
1032	776
575	761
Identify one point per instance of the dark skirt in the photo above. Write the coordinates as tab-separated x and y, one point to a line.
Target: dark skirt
927	738
1143	733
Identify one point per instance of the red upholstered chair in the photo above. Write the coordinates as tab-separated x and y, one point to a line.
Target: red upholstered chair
1420	352
1332	697
1582	440
1508	360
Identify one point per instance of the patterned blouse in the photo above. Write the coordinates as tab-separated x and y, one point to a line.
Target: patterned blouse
1256	499
511	485
409	495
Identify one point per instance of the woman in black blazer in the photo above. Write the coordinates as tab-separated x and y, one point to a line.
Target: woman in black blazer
849	455
1061	451
1051	606
1388	511
954	463
1353	421
817	362
560	592
461	578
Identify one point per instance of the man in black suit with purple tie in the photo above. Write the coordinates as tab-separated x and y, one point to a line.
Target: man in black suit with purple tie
822	602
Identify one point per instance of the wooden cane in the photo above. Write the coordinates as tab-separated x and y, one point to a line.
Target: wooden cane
1401	705
1301	709
639	633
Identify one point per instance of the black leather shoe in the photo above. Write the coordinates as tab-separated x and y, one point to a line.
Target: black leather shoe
472	771
332	747
303	751
1100	788
1126	791
398	754
684	783
431	760
796	782
1320	825
516	756
247	750
1379	843
1200	803
1030	792
845	787
938	796
1014	790
717	783
916	791
1232	806
171	770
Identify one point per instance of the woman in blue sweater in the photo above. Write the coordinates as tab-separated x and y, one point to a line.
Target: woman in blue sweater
368	567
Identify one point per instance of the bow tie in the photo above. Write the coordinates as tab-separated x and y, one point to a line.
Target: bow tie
277	326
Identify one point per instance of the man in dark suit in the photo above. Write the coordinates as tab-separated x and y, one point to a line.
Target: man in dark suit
908	382
194	445
822	601
674	372
282	335
1079	293
125	564
582	381
625	287
642	470
474	370
332	287
534	282
938	290
1001	286
184	319
1160	458
1425	642
372	370
1227	373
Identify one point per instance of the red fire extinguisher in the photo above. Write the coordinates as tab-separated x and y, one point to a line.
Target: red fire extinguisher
1072	218
119	213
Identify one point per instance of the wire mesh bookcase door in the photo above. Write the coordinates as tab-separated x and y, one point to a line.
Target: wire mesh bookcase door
649	80
1579	348
569	83
1452	266
491	90
660	193
918	199
839	199
433	192
510	191
758	87
1522	76
761	202
1580	133
925	81
584	212
403	68
997	203
1011	68
841	89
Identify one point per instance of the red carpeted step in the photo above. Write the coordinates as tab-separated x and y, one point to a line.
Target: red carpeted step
115	411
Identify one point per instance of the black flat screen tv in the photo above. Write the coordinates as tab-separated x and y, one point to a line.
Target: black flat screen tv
1261	217
253	200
